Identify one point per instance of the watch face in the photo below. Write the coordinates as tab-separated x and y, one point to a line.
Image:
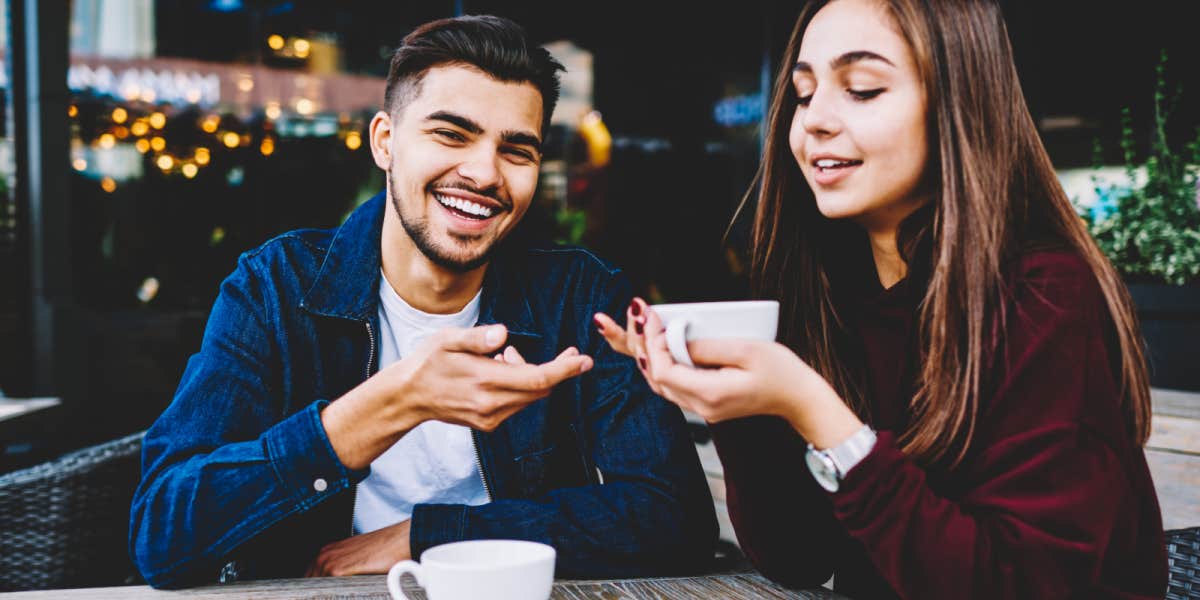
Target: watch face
823	470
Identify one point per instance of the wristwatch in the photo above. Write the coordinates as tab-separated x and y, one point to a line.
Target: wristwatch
830	466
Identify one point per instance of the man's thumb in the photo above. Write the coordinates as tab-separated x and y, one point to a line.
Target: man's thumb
478	340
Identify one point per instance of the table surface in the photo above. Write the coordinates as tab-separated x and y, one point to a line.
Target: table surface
11	408
374	587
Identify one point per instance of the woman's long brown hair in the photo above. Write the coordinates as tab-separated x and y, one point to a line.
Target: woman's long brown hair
994	192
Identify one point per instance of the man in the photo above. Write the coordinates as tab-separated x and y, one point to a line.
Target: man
461	406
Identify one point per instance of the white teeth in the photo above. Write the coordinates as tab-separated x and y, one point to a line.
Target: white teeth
465	206
829	163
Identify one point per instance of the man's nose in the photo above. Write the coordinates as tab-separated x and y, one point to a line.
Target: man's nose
482	168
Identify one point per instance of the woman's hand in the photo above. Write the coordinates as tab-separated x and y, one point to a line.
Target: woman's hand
742	378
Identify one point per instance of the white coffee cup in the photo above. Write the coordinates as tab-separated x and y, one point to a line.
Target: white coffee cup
686	322
494	569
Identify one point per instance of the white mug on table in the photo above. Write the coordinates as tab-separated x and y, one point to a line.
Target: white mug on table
493	569
686	322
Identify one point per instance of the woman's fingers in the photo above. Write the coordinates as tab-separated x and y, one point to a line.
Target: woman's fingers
613	333
722	353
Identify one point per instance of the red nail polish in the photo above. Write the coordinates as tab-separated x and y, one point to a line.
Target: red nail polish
637	326
642	363
636	307
596	320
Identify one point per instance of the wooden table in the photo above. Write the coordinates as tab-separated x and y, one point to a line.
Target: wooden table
373	587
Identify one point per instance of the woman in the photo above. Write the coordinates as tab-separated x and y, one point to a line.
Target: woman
960	401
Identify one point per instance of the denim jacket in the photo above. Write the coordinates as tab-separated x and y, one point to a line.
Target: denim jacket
239	479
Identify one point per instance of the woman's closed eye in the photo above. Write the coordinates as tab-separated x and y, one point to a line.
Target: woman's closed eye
864	95
856	95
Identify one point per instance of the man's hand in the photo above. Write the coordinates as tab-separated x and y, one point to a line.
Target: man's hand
448	378
452	379
373	552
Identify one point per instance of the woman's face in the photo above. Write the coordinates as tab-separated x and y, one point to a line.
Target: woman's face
858	133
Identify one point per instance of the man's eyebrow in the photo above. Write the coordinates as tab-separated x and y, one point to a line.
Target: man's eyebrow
522	138
456	120
843	61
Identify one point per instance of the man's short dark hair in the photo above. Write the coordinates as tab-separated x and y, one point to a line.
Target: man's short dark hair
494	45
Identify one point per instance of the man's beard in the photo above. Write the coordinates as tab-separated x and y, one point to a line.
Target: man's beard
418	231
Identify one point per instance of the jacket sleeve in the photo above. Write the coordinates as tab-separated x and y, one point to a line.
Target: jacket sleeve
225	460
653	513
1032	508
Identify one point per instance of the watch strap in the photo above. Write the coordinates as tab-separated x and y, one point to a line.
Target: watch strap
853	450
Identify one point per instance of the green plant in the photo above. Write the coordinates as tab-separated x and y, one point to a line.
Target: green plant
1152	234
571	223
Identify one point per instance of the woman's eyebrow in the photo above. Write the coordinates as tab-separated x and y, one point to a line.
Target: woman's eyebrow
843	61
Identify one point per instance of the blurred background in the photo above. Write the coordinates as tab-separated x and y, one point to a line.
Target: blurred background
146	143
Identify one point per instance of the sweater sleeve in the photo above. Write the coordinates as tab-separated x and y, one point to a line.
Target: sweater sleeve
1030	512
784	521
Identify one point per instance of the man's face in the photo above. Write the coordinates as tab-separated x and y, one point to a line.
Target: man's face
462	162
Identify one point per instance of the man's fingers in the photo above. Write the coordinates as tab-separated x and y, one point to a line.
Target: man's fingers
512	357
476	340
539	378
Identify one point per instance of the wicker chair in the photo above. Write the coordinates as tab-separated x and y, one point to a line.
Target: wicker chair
64	523
1183	560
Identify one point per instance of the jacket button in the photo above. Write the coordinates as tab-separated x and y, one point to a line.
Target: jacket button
320	485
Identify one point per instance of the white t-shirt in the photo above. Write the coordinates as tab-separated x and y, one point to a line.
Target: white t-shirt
436	461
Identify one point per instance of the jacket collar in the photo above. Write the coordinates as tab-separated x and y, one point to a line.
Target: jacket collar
347	284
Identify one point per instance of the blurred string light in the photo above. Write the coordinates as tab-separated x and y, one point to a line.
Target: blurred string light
231	140
189	170
72	111
148	290
107	141
273	110
304	106
158	143
165	162
202	157
108	184
217	236
267	147
210	123
139	128
142	145
158	120
301	47
245	84
275	41
119	115
121	132
79	164
353	140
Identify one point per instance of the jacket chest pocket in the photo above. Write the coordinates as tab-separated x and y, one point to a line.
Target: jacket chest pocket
560	464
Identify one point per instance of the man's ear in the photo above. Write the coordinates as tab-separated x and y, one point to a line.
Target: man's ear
380	136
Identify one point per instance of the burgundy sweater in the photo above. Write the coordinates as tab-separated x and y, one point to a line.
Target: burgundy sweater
1052	501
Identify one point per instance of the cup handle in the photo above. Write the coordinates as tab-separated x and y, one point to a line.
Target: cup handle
677	340
397	571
